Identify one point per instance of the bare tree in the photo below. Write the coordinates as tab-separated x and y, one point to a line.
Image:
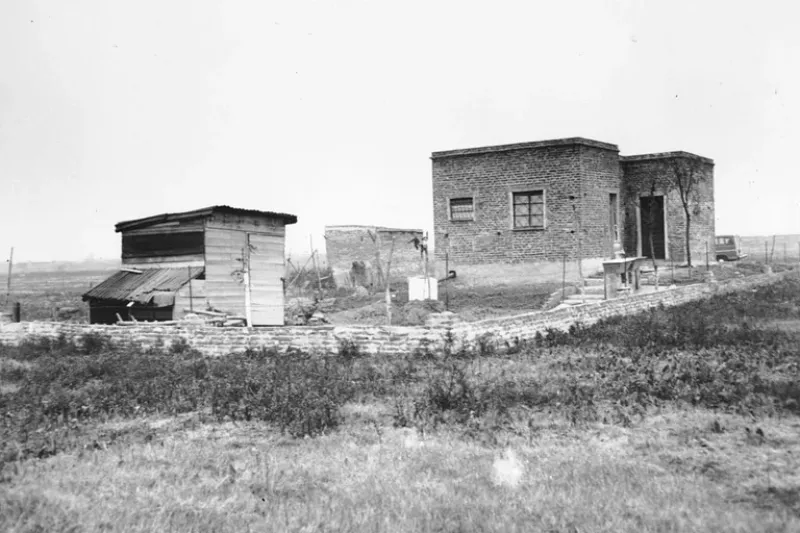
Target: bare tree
686	173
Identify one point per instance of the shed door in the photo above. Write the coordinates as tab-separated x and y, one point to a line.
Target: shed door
266	284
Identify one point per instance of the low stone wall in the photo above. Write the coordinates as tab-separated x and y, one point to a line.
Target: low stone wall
496	333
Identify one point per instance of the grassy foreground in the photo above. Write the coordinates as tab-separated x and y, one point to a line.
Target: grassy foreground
681	419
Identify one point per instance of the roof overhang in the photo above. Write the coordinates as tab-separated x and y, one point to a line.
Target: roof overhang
202	213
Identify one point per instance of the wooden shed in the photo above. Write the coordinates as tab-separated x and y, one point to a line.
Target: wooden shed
218	258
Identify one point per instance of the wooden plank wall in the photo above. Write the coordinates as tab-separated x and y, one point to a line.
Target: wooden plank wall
176	261
198	298
225	241
266	286
224	279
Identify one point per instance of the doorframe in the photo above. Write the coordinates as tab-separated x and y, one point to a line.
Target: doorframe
656	194
619	233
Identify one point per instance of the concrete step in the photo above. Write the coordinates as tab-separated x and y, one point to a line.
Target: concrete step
578	299
593	289
591	282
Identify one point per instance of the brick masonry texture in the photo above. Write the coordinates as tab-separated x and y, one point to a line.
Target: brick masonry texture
346	244
501	333
577	176
641	173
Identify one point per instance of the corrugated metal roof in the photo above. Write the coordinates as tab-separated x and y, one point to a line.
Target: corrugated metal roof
200	213
142	288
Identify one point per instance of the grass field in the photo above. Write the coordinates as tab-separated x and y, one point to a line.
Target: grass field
41	294
682	419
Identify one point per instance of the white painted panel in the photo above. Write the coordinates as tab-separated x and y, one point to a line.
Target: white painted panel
224	271
266	286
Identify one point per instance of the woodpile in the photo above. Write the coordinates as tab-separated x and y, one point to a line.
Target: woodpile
198	317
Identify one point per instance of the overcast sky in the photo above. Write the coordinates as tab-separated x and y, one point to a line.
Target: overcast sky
113	110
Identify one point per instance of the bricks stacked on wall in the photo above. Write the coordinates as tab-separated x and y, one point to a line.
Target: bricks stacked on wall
503	332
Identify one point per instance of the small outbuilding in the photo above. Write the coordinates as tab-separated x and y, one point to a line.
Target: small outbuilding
219	258
357	254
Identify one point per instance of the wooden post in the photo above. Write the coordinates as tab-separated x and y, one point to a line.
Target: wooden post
563	276
427	278
707	268
785	257
772	254
387	289
248	310
10	264
191	305
766	252
446	279
316	265
17	314
672	264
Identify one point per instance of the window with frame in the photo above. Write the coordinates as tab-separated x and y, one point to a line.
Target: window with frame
462	209
529	210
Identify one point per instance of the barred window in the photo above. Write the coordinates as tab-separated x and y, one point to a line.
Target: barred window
529	209
462	209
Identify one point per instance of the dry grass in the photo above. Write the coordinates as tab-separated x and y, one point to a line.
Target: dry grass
40	294
675	472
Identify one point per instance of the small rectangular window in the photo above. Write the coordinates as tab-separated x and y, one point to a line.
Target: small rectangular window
462	209
529	209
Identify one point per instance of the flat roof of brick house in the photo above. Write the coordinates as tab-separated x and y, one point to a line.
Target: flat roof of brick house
665	155
570	141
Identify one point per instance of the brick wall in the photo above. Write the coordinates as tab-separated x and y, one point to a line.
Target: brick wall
641	171
491	175
601	177
501	332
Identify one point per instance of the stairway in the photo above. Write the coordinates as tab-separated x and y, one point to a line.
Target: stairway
593	291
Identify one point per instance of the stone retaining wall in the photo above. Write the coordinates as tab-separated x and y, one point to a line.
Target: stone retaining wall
496	333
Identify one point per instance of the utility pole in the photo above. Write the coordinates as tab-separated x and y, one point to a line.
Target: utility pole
248	305
10	265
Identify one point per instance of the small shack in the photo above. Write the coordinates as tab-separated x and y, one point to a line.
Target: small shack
357	254
219	258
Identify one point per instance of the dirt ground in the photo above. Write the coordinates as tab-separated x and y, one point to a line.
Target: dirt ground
42	294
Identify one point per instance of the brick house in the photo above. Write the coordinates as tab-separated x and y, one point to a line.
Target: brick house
568	198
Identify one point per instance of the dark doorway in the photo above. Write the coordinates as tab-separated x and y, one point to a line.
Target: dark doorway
652	217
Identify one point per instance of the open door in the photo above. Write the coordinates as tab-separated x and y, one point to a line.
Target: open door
652	226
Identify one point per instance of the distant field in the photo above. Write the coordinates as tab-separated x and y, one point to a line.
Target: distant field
40	294
785	247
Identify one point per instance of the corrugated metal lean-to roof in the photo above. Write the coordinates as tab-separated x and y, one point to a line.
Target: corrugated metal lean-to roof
158	283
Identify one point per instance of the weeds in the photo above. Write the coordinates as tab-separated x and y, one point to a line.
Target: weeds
711	354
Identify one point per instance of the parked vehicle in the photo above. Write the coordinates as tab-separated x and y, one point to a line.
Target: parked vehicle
728	248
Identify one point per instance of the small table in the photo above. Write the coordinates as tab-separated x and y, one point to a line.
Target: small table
615	269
